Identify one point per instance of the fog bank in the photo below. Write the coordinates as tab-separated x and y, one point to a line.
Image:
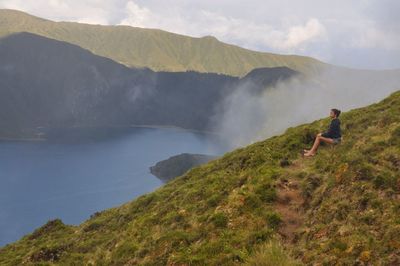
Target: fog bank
246	116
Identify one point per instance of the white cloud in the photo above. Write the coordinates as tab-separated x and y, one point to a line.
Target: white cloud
138	16
253	35
93	11
299	35
229	29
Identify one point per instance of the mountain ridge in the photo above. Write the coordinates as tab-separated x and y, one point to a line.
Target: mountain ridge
157	49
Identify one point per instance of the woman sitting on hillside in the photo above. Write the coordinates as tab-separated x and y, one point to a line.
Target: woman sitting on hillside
332	136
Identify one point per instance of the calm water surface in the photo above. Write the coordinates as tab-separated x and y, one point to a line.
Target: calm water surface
75	174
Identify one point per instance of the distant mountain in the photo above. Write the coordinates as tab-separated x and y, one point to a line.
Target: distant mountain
258	79
261	203
156	49
48	83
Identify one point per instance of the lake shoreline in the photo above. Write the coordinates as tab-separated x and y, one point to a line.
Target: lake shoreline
32	139
22	139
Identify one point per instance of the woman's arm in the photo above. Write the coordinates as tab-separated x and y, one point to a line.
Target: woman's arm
333	130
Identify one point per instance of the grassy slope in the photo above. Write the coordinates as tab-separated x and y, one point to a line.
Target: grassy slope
224	212
156	49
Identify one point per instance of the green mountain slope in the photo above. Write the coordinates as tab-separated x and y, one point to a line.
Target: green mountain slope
156	49
259	203
47	84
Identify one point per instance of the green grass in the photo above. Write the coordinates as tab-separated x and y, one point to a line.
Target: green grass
223	213
156	49
271	254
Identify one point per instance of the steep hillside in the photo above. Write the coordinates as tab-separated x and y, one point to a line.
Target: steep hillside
259	203
156	49
46	83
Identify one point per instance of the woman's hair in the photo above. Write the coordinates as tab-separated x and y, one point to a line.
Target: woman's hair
336	112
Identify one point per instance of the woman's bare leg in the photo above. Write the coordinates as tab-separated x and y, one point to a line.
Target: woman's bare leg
314	147
317	142
308	150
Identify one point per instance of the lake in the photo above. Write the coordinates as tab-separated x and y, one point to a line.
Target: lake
80	171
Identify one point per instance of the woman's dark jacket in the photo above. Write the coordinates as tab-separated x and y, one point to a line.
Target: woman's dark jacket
333	131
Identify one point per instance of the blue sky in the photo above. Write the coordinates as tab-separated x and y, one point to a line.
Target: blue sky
353	33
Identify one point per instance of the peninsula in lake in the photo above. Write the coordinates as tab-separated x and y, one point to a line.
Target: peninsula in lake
178	165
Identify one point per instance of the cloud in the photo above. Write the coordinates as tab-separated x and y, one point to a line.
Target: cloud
299	35
89	11
229	29
246	117
138	16
251	34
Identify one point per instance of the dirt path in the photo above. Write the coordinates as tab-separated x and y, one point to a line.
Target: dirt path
289	204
